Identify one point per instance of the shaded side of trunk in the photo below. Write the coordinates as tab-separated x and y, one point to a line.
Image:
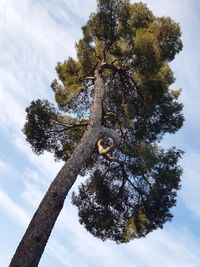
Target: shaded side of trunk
33	243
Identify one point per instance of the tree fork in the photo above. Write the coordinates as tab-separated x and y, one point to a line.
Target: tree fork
32	245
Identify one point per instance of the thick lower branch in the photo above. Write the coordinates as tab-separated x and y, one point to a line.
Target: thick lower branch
104	151
101	149
107	132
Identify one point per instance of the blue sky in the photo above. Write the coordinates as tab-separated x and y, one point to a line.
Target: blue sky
34	35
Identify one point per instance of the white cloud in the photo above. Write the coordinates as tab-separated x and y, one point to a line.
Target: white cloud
158	249
11	116
81	10
32	42
191	183
4	167
45	163
9	174
12	210
60	253
162	248
32	194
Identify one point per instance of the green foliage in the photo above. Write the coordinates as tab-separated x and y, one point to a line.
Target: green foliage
46	129
168	34
69	74
147	52
129	197
111	206
140	16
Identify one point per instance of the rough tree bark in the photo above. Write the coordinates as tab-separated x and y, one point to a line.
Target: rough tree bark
33	243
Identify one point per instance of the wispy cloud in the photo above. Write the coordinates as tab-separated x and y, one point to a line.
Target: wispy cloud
44	164
34	36
160	247
190	192
12	210
5	167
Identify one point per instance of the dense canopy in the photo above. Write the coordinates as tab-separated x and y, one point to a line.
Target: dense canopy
130	190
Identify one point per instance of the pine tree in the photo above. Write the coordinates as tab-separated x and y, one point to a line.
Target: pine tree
114	103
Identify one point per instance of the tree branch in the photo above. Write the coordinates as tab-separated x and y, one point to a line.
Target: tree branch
140	192
107	132
124	76
101	149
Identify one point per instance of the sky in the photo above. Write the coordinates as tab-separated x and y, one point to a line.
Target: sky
34	36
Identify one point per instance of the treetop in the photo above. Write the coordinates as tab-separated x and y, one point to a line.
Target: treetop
129	191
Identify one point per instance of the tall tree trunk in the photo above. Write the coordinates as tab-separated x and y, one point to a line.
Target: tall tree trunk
32	245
